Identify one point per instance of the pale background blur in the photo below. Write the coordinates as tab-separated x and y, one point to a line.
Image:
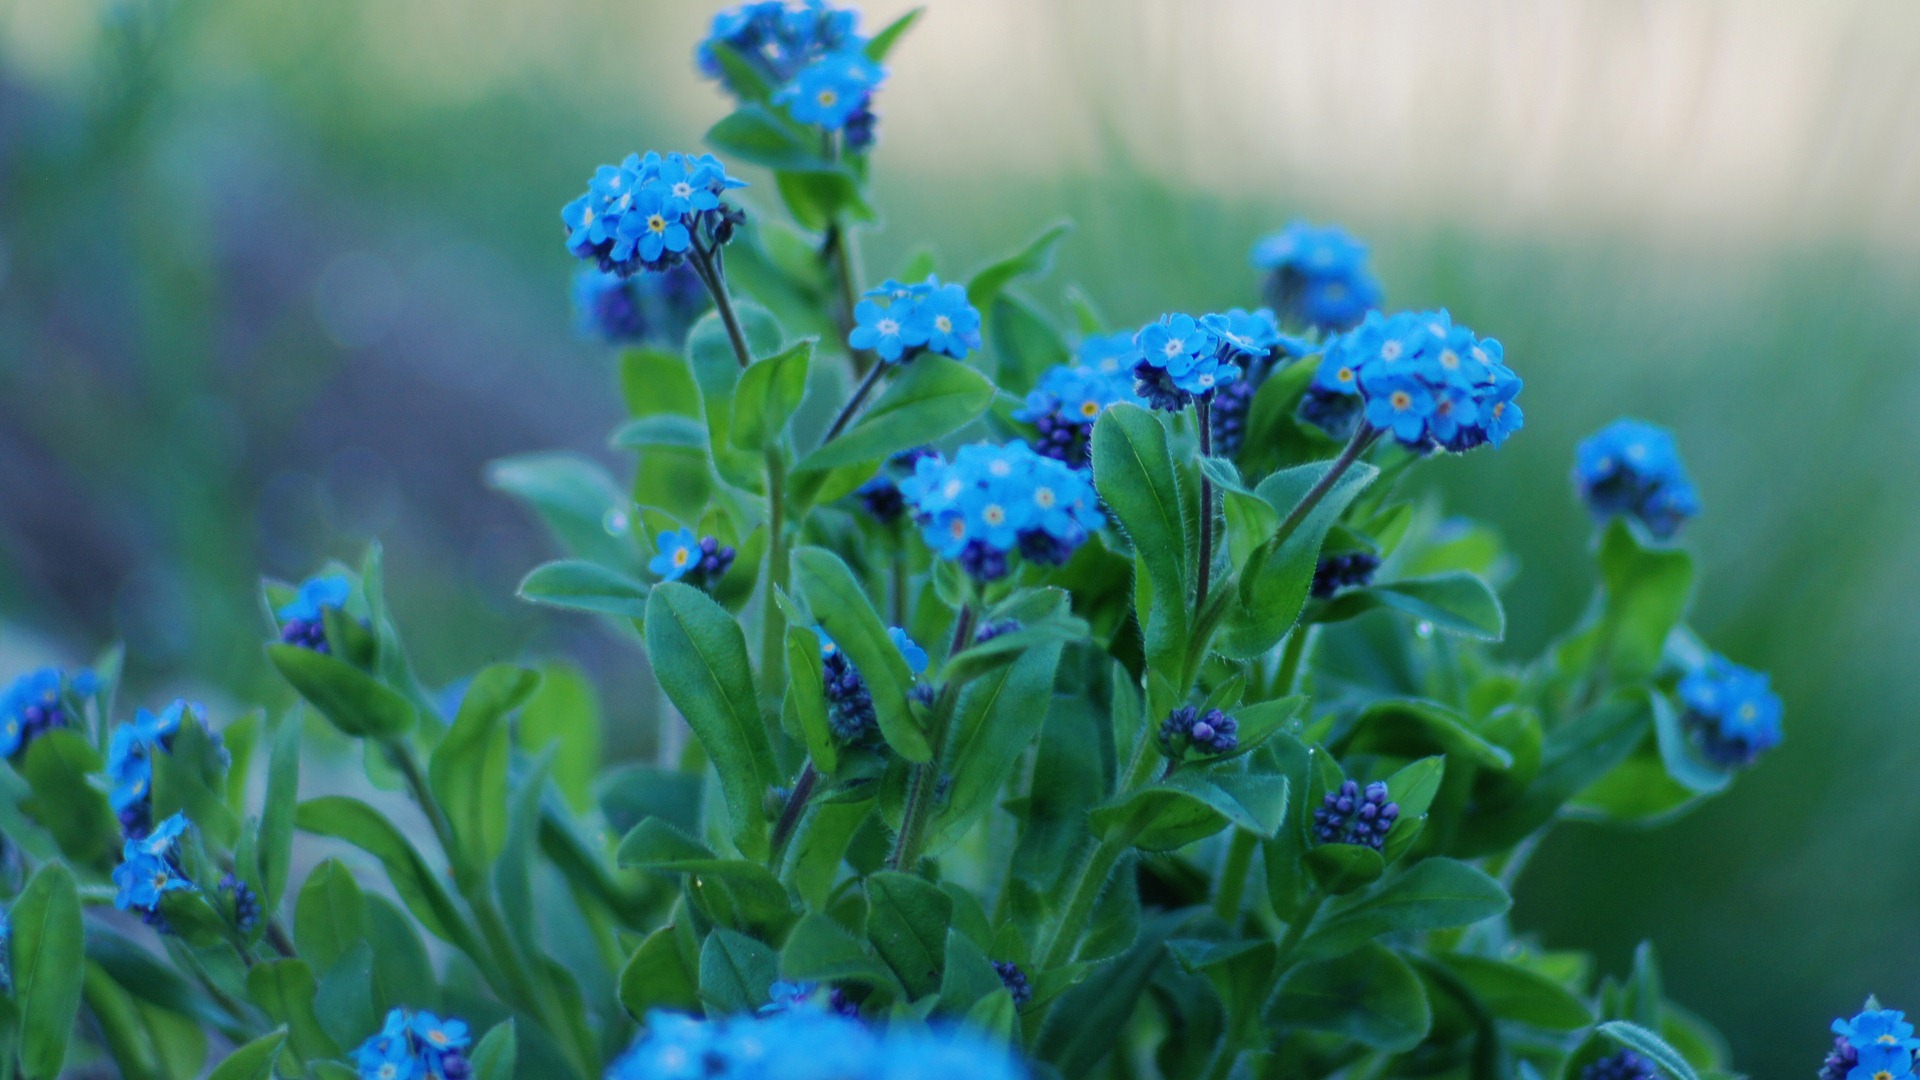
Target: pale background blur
277	277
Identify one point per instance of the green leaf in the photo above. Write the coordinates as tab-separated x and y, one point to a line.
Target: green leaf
468	771
575	498
1257	723
64	801
882	43
1191	805
837	600
565	713
1275	579
254	1060
818	197
966	975
191	779
1029	261
276	813
699	656
932	397
1371	997
496	1054
661	429
1414	727
1433	894
1511	992
656	845
740	76
359	705
1341	868
1134	473
735	971
46	955
284	990
1650	1046
907	922
329	915
757	134
1026	341
821	950
657	977
1081	1027
1458	603
418	885
806	704
585	586
767	396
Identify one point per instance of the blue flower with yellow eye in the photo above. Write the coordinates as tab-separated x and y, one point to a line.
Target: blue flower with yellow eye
1431	383
1181	359
899	322
1108	354
647	213
992	501
150	868
945	322
31	706
1878	1027
832	90
881	329
776	38
1731	711
1631	468
1317	276
1067	401
676	553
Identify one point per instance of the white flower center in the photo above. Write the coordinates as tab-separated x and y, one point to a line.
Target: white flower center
888	327
943	324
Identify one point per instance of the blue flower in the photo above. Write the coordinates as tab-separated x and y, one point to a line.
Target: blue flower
1068	399
1878	1027
1212	732
651	307
1347	815
832	90
898	322
806	1044
317	595
992	500
1253	333
647	212
1317	277
1108	354
672	1047
1632	468
437	1035
31	706
1876	1062
677	552
915	656
777	38
386	1058
130	752
1432	384
1731	711
150	868
415	1044
883	330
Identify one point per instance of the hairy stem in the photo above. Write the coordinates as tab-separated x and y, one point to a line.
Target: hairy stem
796	805
773	623
853	403
706	263
925	778
1363	439
1233	876
837	251
1202	414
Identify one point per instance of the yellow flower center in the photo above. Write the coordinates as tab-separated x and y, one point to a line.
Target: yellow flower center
1402	401
1449	359
943	324
680	556
827	98
656	223
1748	712
1498	408
1344	375
1045	497
1089	408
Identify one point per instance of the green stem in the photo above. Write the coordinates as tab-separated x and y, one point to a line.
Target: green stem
926	777
1090	879
1363	439
773	622
707	264
837	250
853	403
1202	414
1233	876
1297	929
1290	659
796	805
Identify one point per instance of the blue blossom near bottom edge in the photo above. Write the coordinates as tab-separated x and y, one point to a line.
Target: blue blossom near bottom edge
1624	1065
807	1044
415	1045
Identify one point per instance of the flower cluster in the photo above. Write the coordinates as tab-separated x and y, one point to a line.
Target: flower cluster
1632	468
1731	711
899	322
622	310
303	619
810	53
415	1046
130	753
1015	980
990	500
33	704
1624	1065
1317	277
1344	570
881	496
990	630
1877	1044
806	1044
150	869
1347	816
1182	358
1067	401
702	560
849	704
1213	732
1430	383
246	903
649	213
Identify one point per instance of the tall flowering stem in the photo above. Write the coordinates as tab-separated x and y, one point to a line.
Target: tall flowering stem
706	262
790	813
920	786
852	406
1202	413
1363	439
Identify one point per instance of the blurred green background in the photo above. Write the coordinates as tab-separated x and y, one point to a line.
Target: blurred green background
278	278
